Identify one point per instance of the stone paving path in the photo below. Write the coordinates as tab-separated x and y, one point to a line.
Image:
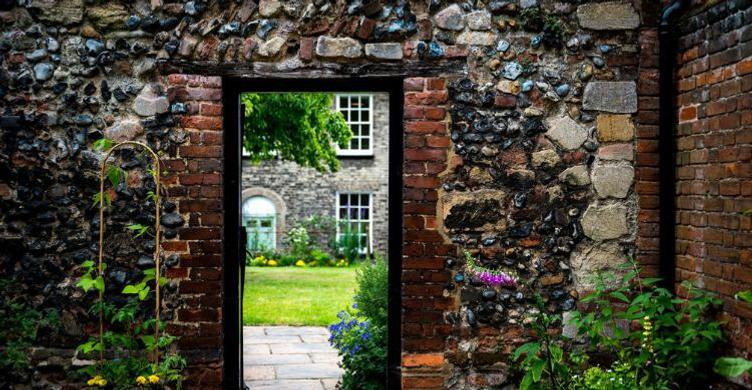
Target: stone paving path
289	357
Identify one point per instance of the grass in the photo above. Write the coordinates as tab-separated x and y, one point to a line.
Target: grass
296	296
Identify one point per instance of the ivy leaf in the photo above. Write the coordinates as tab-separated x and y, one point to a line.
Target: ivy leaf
536	369
88	264
85	283
139	229
745	296
99	283
115	175
103	144
148	341
527	348
131	289
732	366
144	293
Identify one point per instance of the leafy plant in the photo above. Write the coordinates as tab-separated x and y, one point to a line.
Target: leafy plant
299	127
735	366
19	325
349	243
544	362
299	242
531	19
360	336
675	336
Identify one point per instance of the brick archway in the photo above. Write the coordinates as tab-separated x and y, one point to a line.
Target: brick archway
279	206
200	173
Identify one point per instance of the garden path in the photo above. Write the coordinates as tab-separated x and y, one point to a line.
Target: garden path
289	357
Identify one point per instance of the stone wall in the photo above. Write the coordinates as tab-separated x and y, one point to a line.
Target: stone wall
307	192
519	146
714	156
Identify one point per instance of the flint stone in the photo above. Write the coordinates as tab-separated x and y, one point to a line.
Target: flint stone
605	222
450	18
545	158
611	15
476	38
338	47
612	180
271	47
43	71
126	130
149	103
618	97
384	51
512	70
566	132
478	20
111	16
187	44
59	11
575	176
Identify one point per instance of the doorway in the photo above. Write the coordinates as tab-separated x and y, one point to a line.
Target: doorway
236	238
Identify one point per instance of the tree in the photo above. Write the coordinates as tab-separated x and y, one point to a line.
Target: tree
299	127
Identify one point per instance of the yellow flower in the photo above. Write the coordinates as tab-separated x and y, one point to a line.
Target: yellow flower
97	381
300	263
271	263
153	379
102	383
141	380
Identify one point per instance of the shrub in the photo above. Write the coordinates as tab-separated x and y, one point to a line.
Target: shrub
649	336
348	243
360	336
299	242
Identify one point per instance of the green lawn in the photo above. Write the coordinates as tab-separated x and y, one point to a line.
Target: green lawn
296	296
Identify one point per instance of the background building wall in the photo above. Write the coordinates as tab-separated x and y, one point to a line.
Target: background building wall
307	192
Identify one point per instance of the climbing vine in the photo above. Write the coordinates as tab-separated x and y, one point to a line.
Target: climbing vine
131	347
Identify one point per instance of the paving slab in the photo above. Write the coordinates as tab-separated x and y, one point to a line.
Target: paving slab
271	360
300	348
286	385
308	371
258	373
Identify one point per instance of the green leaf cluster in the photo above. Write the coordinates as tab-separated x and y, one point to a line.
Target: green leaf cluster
735	366
299	127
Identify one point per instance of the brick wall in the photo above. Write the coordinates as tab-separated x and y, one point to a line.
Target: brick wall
195	186
714	158
424	251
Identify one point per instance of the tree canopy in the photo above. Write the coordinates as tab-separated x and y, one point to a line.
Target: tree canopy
294	126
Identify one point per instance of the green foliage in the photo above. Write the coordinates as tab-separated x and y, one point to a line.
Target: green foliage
676	336
735	366
531	19
544	362
138	229
349	243
300	127
360	336
641	335
299	242
371	298
19	326
129	338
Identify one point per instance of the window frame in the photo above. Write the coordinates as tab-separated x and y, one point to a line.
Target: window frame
369	248
257	218
358	152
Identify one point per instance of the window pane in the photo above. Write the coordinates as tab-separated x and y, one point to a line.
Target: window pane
365	143
343	213
364	101
343	200
355	116
354	143
343	102
364	199
364	213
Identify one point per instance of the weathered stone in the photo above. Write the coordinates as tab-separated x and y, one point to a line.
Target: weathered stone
338	47
546	158
478	20
107	17
477	38
59	11
566	132
126	130
612	180
616	152
271	47
509	86
612	15
43	71
589	259
512	70
149	102
576	176
475	210
269	8
614	127
605	222
384	51
450	18
611	96
187	44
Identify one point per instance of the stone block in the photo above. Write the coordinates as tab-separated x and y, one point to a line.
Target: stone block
613	128
330	47
546	158
612	180
450	18
575	176
566	132
384	51
477	38
605	222
618	97
612	15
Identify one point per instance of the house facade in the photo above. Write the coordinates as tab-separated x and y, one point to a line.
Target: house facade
279	195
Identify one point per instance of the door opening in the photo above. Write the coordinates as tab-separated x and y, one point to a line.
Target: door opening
264	211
